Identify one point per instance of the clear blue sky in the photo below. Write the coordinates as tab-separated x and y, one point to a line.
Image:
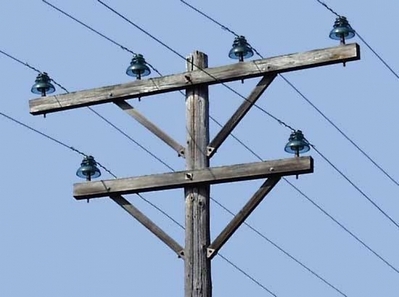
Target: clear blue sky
52	245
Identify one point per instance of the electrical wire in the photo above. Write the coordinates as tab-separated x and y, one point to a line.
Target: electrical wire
141	196
93	111
259	158
236	138
389	68
20	62
130	51
282	250
153	205
354	185
201	69
342	133
341	225
110	172
238	141
106	169
209	18
52	139
63	144
365	43
328	8
229	261
247	275
364	153
339	130
138	194
278	120
178	54
378	56
97	32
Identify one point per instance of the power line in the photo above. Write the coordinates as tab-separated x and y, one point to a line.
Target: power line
201	69
20	62
282	250
378	56
141	196
238	141
109	171
355	186
365	43
341	225
236	138
307	99
227	260
247	275
328	8
278	120
131	138
97	32
389	68
142	30
342	132
138	194
332	123
164	213
52	139
93	111
209	18
130	51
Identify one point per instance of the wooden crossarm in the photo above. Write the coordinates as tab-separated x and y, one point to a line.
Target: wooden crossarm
207	176
210	76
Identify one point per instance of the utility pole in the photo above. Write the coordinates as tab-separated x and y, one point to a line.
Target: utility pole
198	281
198	177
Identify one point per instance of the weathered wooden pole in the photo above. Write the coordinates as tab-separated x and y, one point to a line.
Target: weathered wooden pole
198	282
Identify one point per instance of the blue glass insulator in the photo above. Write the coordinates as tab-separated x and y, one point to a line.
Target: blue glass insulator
138	67
43	85
342	30
297	144
88	169
241	49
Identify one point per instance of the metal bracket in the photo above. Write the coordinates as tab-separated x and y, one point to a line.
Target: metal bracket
210	151
209	253
189	176
182	152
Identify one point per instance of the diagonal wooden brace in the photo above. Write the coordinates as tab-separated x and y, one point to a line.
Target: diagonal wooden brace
239	114
150	225
240	218
150	126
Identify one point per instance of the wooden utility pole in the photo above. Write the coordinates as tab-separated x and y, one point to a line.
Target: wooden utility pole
198	177
197	265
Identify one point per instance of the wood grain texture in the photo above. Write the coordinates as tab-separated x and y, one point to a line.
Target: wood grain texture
151	127
186	178
150	225
197	266
241	216
237	71
240	114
